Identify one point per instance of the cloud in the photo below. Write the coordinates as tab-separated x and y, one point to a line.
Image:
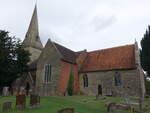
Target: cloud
102	22
79	24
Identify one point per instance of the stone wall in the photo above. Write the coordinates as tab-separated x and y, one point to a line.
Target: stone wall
22	82
51	56
140	71
130	83
35	53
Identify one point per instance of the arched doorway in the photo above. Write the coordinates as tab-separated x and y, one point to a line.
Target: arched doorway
99	89
27	88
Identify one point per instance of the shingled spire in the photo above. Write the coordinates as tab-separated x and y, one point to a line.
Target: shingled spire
32	38
32	41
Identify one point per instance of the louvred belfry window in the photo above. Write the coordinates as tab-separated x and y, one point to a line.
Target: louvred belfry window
48	70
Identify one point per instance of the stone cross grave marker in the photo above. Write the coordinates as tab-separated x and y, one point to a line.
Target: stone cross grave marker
7	106
20	101
66	110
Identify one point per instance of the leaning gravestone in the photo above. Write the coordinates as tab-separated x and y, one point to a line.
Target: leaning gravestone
34	100
20	101
66	110
5	91
7	106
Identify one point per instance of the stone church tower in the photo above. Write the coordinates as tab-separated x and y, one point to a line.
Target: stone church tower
32	41
33	44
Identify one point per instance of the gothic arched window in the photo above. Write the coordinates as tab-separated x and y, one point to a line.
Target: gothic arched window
85	80
117	78
47	73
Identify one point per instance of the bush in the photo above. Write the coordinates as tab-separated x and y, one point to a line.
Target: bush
70	84
147	96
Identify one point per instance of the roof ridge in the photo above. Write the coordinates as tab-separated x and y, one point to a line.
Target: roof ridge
111	48
64	47
67	54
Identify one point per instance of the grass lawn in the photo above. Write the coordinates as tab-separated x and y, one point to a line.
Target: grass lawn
82	104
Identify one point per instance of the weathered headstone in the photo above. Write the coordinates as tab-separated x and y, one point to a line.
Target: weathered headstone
34	100
127	101
99	97
22	91
7	106
66	110
123	107
20	101
5	91
111	107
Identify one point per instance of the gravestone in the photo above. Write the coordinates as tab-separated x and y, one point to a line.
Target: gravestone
66	110
5	91
123	107
111	107
7	106
34	100
99	97
129	102
22	91
20	101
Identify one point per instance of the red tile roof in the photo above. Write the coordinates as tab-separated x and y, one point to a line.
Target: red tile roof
122	57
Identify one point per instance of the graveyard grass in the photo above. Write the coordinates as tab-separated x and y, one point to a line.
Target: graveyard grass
82	104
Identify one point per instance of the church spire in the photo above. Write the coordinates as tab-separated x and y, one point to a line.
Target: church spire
32	38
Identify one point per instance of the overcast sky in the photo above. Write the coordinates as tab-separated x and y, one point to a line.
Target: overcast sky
79	24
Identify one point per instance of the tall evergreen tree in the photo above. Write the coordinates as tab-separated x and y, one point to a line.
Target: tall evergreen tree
145	51
70	84
13	58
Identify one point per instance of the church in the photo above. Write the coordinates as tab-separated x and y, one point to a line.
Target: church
114	71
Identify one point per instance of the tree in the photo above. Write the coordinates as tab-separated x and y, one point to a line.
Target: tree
147	86
145	52
22	59
70	84
13	59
